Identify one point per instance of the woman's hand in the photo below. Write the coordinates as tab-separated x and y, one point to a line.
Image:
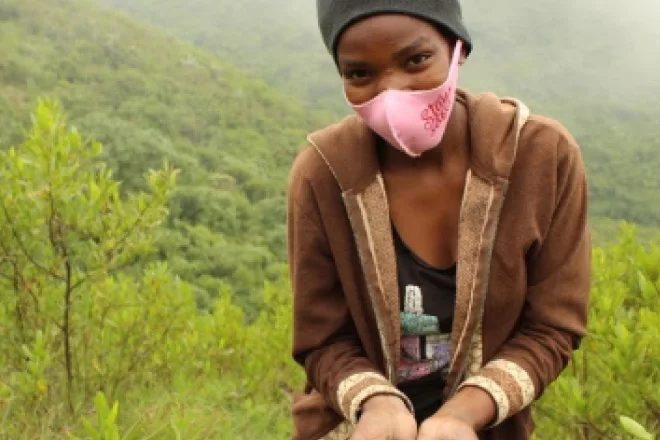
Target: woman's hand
385	418
460	417
441	427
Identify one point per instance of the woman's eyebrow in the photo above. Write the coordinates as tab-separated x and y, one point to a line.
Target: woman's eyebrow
353	64
410	48
359	64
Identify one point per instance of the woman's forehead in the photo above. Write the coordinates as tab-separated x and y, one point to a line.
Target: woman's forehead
386	30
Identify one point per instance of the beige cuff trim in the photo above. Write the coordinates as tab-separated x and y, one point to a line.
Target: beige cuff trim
357	388
520	376
353	380
375	390
496	392
508	383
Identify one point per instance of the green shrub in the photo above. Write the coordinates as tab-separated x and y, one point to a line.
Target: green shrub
84	313
87	319
617	370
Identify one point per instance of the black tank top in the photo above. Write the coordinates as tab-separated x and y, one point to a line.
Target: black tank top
428	295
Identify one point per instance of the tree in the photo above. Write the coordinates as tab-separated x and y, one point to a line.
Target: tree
73	271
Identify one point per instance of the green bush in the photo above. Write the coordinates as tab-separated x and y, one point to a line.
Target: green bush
617	370
83	311
88	319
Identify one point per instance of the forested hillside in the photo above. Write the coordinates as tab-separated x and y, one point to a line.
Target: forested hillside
148	97
99	343
587	63
143	299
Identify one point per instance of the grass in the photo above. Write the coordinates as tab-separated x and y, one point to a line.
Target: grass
191	410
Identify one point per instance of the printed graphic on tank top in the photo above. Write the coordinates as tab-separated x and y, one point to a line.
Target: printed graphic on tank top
427	295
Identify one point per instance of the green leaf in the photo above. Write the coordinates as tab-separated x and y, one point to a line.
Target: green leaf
177	434
634	428
26	351
94	191
101	405
112	417
90	430
647	287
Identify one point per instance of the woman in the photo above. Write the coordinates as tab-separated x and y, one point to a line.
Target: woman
438	245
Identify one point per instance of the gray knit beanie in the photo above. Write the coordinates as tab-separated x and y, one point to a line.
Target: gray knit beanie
336	15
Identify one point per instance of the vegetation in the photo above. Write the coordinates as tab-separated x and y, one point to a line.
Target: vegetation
617	370
83	310
148	98
86	318
144	289
587	68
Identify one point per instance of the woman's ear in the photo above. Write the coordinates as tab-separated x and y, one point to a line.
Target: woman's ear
463	58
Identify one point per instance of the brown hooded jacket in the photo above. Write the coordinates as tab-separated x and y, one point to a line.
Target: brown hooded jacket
522	281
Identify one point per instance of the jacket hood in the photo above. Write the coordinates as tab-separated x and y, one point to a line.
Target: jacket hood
350	145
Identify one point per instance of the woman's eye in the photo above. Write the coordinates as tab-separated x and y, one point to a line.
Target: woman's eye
418	59
356	74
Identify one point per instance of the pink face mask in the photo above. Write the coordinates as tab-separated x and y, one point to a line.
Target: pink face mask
413	121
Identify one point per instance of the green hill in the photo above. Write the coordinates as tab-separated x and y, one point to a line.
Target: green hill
275	40
148	97
587	64
98	342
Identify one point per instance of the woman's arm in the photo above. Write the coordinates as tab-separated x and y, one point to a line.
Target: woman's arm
325	341
554	318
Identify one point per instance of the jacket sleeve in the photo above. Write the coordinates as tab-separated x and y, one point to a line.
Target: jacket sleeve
554	318
325	341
